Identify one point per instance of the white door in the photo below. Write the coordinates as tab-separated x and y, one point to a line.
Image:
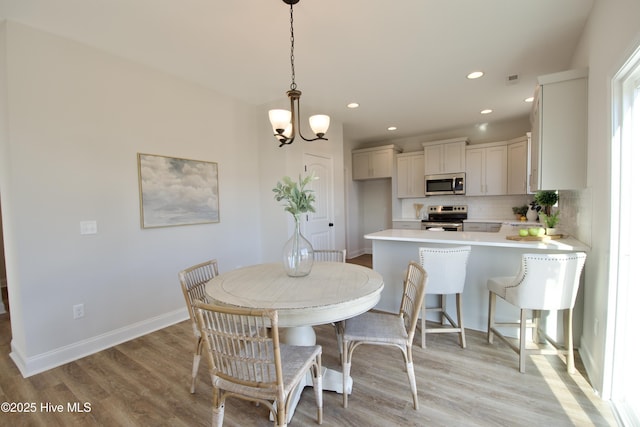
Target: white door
319	228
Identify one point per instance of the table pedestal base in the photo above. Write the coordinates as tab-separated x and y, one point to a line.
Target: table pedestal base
300	335
331	379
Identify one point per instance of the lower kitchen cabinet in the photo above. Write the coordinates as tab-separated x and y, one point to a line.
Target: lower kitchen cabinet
491	227
410	225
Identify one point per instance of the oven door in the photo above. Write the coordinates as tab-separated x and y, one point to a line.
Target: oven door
442	226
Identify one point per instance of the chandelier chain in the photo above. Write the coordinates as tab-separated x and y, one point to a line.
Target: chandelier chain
293	68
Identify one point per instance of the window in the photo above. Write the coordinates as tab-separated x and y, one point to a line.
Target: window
625	371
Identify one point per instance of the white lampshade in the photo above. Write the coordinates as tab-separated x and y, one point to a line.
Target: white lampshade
288	132
280	119
319	124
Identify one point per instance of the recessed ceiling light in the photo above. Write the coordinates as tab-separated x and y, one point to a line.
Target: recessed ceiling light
392	128
475	75
529	99
487	111
353	105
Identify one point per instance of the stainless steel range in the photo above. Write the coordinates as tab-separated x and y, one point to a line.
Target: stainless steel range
447	218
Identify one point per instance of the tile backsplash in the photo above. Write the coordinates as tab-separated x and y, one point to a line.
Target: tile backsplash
485	207
575	213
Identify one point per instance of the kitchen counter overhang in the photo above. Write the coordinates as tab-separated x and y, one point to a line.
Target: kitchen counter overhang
474	238
492	255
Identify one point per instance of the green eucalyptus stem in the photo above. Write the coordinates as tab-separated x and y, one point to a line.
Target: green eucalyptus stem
296	243
298	198
298	252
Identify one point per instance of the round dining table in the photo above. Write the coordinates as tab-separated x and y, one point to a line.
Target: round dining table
332	292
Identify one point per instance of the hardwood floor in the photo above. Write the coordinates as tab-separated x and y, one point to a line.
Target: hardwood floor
145	382
365	260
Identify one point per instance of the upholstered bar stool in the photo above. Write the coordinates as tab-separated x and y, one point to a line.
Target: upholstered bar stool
544	282
447	270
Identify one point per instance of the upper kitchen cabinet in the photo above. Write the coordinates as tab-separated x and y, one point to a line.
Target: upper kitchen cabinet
486	170
372	163
410	175
517	170
558	158
446	156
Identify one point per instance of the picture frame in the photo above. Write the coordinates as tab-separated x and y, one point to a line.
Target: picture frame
176	191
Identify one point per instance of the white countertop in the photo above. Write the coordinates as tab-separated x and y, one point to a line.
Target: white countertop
498	239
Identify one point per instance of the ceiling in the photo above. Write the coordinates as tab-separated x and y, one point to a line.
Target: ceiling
404	62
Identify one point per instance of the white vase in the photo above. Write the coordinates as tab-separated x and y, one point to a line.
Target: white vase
551	231
532	215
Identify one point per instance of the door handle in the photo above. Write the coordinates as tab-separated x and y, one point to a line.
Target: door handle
330	224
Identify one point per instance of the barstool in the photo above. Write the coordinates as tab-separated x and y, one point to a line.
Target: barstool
447	270
544	282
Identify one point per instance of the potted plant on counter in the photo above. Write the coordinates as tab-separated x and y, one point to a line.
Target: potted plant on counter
546	199
520	212
550	222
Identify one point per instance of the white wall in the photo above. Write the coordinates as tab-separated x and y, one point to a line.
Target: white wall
4	155
72	122
604	52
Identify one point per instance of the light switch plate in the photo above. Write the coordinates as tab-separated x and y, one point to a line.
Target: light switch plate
88	227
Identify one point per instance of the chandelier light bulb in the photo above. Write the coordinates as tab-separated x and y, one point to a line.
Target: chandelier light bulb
319	124
280	120
288	132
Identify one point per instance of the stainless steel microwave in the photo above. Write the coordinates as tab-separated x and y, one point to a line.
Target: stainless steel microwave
450	183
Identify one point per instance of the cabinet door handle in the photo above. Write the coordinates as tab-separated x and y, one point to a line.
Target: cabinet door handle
330	224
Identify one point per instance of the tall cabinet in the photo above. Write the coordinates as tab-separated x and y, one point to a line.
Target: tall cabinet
558	158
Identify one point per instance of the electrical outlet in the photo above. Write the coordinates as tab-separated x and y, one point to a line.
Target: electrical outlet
78	311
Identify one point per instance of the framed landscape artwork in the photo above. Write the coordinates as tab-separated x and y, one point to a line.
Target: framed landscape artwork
176	191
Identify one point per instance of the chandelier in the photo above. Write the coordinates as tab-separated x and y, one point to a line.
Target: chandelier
284	122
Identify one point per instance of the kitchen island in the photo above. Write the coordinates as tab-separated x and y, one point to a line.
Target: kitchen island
492	254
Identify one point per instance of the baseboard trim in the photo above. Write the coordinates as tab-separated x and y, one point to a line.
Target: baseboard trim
33	365
359	252
590	368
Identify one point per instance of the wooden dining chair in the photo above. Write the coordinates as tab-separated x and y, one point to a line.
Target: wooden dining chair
379	328
332	255
247	361
335	255
192	282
